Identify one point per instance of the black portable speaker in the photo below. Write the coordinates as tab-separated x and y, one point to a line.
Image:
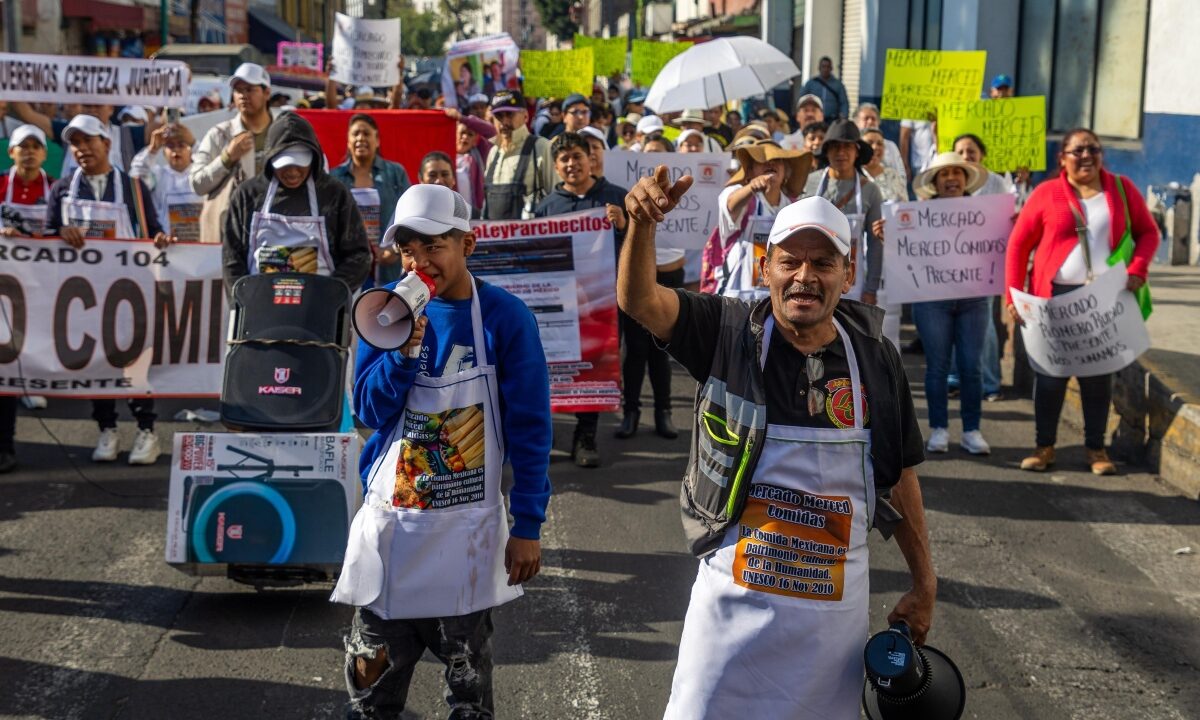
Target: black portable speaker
286	365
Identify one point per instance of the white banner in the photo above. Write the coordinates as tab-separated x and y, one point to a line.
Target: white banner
1096	329
564	269
115	318
366	52
93	80
201	86
946	249
688	226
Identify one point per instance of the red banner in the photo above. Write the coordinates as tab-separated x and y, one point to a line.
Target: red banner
564	269
405	136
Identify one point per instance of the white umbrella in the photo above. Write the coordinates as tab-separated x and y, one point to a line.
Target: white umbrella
712	73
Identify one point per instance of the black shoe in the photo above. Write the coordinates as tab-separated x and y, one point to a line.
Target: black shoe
8	462
916	347
663	425
584	452
629	425
952	392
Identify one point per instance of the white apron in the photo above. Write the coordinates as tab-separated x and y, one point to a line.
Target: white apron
778	616
33	215
95	218
744	280
289	243
369	206
857	231
430	537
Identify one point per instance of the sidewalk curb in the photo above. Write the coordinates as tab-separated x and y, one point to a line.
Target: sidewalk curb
1152	424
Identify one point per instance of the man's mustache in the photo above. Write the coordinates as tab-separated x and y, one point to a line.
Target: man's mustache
803	289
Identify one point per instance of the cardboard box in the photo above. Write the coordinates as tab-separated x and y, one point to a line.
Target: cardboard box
261	499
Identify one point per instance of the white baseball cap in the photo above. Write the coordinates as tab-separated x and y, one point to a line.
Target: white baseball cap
812	213
86	124
650	125
810	98
429	210
478	99
298	155
251	73
590	131
136	112
690	132
25	132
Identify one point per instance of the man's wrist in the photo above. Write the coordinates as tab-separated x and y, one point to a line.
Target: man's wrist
226	160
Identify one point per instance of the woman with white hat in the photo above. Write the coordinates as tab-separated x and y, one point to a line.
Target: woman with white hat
767	180
955	327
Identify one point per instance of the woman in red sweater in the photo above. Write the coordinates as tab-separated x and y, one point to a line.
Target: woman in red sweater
1046	229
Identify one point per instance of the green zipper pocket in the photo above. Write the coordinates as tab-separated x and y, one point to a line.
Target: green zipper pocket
726	437
737	479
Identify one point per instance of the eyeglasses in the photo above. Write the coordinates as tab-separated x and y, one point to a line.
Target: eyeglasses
814	368
1082	150
579	112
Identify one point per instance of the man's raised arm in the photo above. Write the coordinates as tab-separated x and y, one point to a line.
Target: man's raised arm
638	292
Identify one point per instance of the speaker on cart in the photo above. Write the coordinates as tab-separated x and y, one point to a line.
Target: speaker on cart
286	366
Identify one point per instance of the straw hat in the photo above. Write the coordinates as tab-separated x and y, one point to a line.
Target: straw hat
800	163
924	187
690	116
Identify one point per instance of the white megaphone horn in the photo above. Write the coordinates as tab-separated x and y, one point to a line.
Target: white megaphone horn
386	317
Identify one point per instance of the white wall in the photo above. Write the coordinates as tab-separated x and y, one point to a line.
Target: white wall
1172	83
822	35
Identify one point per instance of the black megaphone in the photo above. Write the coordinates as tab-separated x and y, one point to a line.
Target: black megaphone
906	682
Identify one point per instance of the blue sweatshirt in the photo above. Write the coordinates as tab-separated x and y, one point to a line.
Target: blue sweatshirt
383	378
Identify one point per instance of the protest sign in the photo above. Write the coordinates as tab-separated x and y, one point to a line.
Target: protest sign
301	54
480	65
687	226
203	85
557	73
366	52
115	318
564	269
608	54
915	82
1013	129
93	80
946	249
1096	329
649	57
405	136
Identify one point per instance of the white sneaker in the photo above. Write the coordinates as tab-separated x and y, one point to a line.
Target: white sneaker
939	441
145	448
34	402
107	446
974	443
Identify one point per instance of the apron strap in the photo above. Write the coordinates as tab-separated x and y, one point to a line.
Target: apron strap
270	198
477	326
312	197
851	360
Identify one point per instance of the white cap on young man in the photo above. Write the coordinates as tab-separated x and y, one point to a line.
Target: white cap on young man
25	132
86	124
297	155
597	133
430	210
251	73
812	213
650	124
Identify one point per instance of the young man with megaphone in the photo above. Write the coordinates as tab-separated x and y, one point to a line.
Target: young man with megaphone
430	552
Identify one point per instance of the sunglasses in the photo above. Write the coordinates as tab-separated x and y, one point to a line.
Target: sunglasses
814	369
1093	150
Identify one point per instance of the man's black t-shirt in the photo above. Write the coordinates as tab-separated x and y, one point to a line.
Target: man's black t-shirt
694	343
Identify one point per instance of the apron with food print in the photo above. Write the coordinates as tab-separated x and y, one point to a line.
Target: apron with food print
369	206
857	232
430	537
34	216
778	614
183	207
289	243
741	267
95	218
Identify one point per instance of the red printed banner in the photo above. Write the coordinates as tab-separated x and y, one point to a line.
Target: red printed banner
564	269
405	136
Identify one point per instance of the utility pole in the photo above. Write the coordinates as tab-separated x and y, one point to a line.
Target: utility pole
12	25
164	22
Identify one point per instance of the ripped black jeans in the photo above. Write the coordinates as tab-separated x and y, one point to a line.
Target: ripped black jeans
463	644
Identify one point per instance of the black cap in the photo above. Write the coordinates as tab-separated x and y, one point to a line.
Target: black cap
508	100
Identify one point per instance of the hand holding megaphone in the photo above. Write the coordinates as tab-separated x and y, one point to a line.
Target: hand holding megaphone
391	318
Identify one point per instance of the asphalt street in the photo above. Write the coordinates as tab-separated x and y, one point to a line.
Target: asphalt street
1061	595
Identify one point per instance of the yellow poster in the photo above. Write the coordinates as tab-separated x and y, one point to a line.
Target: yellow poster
649	57
915	82
1013	130
609	53
558	73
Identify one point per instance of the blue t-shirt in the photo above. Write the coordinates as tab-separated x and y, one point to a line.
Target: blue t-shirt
513	346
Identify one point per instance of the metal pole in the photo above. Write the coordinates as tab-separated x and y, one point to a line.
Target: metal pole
12	25
164	22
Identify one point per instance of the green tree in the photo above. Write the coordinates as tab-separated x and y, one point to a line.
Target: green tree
421	33
460	12
556	17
